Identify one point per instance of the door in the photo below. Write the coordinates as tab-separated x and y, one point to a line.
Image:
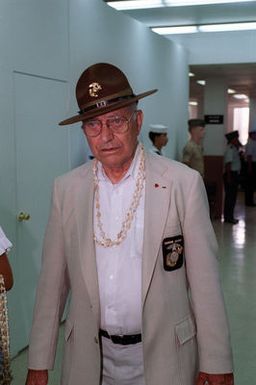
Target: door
42	153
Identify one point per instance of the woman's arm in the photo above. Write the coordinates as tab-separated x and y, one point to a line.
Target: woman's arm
6	271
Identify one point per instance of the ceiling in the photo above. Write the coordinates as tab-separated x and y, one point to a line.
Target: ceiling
241	77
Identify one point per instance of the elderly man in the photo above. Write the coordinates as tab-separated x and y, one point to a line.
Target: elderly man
129	237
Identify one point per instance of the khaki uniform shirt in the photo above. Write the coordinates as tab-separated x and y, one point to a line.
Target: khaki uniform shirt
193	156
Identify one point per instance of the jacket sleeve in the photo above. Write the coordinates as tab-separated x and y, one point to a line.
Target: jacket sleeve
202	267
52	292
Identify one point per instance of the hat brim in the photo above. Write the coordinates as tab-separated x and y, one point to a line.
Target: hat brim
103	110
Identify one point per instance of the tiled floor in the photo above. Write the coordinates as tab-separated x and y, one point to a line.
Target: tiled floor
238	274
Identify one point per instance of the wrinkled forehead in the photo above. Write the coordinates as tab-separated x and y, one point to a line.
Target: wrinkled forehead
125	111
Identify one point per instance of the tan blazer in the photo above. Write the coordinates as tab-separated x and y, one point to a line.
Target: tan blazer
184	321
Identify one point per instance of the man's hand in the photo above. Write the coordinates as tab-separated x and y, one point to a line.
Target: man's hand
37	377
215	379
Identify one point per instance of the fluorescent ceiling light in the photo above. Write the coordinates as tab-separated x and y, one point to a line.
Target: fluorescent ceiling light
143	4
227	27
175	30
136	4
230	91
240	96
180	3
191	74
201	82
193	103
204	28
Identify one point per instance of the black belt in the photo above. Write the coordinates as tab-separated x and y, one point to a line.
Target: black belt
128	339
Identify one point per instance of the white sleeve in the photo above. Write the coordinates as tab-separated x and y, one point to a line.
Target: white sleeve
5	244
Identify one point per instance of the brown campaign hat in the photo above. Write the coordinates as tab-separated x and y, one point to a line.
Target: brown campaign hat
100	89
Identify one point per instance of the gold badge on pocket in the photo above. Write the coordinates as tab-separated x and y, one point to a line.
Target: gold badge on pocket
173	250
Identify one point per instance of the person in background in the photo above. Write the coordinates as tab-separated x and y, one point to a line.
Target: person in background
250	179
130	238
5	268
6	283
193	150
232	166
159	138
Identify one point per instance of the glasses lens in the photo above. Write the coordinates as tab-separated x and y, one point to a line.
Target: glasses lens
92	127
117	124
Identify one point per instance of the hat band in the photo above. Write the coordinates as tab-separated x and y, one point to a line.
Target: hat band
104	103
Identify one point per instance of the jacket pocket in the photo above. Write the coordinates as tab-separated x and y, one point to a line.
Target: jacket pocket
185	330
186	348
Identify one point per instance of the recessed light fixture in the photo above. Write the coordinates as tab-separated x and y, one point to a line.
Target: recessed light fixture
176	3
240	96
193	103
175	30
135	4
143	4
227	27
201	82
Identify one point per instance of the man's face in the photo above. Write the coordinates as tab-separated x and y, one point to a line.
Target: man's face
164	139
235	142
113	149
199	131
161	140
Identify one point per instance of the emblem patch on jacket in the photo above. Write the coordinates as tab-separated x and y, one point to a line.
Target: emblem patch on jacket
173	251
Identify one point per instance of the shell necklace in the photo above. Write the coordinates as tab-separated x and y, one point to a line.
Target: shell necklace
103	240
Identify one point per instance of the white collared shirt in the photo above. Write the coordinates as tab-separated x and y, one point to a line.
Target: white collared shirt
120	267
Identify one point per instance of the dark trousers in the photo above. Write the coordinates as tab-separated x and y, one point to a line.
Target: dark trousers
250	182
231	188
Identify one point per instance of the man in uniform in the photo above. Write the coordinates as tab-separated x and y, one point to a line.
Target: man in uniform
193	150
129	237
232	166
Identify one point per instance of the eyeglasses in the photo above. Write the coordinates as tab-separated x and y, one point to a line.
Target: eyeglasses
117	124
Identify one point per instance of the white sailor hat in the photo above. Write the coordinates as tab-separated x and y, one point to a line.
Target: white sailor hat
158	128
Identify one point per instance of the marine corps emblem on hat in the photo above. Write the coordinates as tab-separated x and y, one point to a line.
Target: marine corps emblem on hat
100	89
94	88
173	252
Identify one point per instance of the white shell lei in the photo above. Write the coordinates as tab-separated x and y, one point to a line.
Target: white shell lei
5	371
104	240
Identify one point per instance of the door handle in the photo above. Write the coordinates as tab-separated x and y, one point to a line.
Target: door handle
23	216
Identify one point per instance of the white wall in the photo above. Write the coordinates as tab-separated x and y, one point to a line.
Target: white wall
33	41
219	47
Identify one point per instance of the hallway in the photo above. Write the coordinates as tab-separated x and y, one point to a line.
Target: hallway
238	271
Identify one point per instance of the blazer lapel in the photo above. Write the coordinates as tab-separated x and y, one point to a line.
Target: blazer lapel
84	213
157	200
